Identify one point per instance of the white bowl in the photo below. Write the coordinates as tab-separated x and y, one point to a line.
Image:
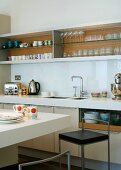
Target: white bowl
104	116
45	94
90	116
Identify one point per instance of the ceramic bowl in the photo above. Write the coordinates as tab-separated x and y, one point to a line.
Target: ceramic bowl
104	116
95	94
91	115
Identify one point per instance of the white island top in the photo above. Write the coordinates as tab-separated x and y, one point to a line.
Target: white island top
94	103
13	133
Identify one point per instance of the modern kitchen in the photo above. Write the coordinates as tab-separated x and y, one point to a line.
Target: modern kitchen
60	71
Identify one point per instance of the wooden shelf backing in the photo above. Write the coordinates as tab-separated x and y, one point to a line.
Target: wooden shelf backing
30	50
70	48
31	39
89	41
100	127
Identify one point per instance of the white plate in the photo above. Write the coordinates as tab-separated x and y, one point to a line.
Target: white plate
11	121
7	119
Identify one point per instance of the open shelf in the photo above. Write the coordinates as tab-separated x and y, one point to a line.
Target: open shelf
28	48
104	44
86	42
67	59
93	126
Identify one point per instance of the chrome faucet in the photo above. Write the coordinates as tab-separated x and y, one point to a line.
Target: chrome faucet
81	85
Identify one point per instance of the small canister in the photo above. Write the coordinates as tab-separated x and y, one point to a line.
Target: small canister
49	42
24	90
10	44
32	112
45	42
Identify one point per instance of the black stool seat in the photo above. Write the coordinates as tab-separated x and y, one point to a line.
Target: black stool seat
83	137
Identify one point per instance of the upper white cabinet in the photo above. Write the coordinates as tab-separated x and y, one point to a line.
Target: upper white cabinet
5	24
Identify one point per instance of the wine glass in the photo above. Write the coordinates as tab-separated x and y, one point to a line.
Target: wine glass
80	36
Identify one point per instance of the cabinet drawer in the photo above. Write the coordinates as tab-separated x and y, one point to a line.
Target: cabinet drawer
8	106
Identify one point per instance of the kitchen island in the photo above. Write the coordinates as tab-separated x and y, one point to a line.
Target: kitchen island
14	133
72	107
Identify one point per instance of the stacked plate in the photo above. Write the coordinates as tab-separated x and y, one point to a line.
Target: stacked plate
6	117
91	116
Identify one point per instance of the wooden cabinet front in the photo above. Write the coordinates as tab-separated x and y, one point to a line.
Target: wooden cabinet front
74	113
45	142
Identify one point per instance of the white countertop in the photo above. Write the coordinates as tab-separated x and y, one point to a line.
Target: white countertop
94	103
13	133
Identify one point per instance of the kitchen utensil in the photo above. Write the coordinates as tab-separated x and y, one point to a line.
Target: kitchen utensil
95	94
116	90
19	109
91	115
32	112
118	78
10	44
34	87
24	90
104	94
45	94
116	87
104	116
12	88
17	44
4	45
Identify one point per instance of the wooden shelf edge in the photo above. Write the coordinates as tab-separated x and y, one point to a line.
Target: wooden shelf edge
68	59
100	127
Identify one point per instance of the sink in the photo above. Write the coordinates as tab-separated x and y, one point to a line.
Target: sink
64	97
77	98
59	97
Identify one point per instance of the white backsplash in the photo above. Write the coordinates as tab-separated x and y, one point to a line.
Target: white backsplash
97	75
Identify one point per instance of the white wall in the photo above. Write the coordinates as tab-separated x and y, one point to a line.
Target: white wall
31	15
56	77
36	15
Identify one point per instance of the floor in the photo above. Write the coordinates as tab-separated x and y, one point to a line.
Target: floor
27	159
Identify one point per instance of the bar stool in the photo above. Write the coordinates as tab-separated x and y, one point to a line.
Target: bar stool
44	164
84	137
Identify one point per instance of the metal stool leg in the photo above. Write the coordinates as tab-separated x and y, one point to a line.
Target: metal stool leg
108	154
82	156
69	162
60	151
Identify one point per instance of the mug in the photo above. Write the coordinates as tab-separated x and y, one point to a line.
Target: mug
19	109
17	44
10	44
40	43
35	43
32	112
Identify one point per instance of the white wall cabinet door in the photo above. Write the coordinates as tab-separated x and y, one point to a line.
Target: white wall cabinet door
29	143
115	147
5	24
1	105
99	151
74	113
8	106
45	142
